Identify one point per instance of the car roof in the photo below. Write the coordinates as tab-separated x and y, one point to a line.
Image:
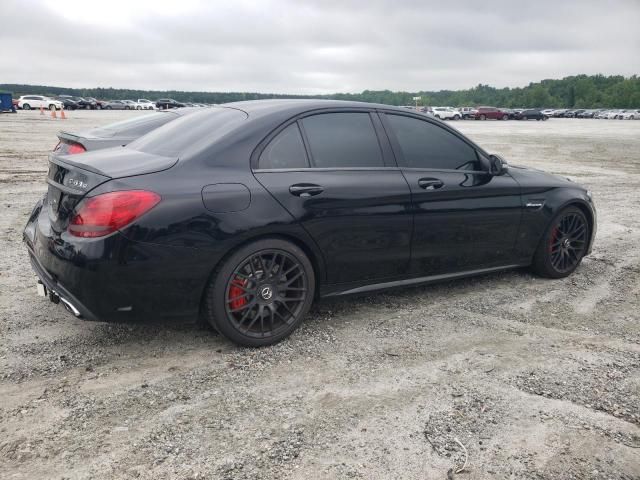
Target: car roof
263	108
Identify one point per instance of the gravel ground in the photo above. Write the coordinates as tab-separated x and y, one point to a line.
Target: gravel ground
523	378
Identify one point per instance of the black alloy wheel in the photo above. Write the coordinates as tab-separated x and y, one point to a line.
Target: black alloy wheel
563	245
261	293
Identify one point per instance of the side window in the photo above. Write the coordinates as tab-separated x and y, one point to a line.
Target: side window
343	140
425	145
286	150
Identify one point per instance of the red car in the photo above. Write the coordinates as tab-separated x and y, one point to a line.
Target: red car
485	113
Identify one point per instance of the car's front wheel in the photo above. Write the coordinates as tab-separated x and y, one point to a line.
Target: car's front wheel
260	294
563	244
26	106
483	117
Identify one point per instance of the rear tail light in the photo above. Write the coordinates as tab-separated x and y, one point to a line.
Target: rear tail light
69	148
104	214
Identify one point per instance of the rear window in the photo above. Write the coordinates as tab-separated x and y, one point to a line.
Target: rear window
135	127
190	132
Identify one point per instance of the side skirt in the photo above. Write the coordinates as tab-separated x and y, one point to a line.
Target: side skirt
334	290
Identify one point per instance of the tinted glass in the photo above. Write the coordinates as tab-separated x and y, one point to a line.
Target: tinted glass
425	145
285	151
135	127
343	140
189	133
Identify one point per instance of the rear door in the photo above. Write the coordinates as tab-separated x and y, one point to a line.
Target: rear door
333	174
465	219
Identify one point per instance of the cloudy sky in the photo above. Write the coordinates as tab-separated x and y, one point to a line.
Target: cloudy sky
298	46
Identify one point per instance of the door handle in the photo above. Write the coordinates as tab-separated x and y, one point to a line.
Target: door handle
305	189
430	183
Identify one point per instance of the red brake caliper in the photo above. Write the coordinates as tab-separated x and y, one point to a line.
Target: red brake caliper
554	237
236	291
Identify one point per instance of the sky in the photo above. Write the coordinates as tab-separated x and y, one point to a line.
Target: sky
314	47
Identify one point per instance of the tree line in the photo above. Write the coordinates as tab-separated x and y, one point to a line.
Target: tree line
579	91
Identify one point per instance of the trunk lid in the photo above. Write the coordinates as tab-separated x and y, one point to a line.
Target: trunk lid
72	177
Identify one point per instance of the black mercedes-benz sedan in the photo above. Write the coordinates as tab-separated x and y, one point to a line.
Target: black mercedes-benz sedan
243	214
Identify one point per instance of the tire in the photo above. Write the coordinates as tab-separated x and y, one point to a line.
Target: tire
438	117
26	106
456	117
236	302
52	107
107	107
483	117
506	117
563	245
138	107
525	118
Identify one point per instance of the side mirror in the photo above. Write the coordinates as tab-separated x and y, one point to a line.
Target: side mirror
497	165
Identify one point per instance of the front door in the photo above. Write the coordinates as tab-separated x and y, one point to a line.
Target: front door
465	219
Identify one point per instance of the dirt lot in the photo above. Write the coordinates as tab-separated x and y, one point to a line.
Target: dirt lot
536	378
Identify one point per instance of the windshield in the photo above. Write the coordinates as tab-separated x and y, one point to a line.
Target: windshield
190	132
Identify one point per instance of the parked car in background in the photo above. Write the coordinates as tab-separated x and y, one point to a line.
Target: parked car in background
117	105
631	115
548	112
493	113
27	102
573	113
115	134
144	104
165	103
468	112
446	113
94	103
132	105
531	114
69	102
615	114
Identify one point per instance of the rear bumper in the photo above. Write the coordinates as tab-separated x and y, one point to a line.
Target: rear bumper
57	290
113	278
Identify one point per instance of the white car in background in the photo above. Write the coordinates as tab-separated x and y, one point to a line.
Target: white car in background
631	115
27	102
614	114
446	113
144	104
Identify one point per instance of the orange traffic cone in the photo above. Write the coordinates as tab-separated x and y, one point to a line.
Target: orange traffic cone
62	115
41	110
53	113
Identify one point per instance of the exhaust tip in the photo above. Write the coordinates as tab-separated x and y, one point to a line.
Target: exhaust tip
70	307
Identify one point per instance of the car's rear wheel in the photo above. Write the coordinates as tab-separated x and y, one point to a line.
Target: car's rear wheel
456	117
107	107
261	293
52	107
563	244
483	117
506	117
26	106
